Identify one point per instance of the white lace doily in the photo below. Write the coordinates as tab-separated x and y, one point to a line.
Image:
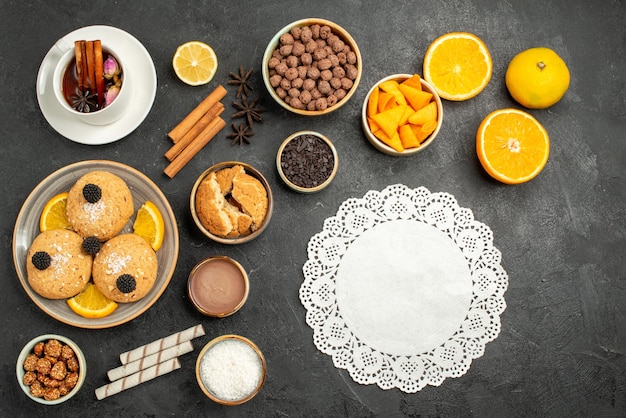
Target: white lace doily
403	288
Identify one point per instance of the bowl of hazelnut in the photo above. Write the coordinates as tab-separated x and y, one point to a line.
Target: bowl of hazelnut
51	369
401	115
312	67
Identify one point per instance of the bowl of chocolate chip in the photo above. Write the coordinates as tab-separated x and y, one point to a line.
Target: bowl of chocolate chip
312	67
51	369
307	161
231	202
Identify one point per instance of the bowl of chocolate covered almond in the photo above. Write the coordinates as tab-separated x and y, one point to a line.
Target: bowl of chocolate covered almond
51	369
307	161
312	67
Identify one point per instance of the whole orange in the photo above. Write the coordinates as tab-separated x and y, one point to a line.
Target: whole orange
537	78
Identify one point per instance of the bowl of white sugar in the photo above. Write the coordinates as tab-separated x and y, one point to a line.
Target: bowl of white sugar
230	369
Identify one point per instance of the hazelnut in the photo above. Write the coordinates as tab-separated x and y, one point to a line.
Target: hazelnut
297	83
321	104
324	87
306	34
281	92
325	32
302	70
291	74
313	73
351	71
338	46
305	97
319	54
295	32
315	31
275	80
326	75
308	84
324	64
281	68
285	84
273	62
292	61
298	48
306	58
339	72
310	46
351	57
286	39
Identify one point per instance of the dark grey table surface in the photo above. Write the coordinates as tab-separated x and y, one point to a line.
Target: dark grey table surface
561	348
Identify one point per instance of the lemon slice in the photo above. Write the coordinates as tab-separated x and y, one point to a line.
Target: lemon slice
149	225
53	215
195	63
91	303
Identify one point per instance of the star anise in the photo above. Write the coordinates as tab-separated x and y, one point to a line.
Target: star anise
241	80
84	101
250	111
241	134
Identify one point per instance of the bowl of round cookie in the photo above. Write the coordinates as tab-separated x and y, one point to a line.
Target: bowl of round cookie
51	369
231	202
312	67
28	232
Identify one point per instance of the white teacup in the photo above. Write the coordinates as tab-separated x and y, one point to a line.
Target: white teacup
110	113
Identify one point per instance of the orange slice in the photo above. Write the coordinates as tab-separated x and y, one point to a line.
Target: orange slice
512	146
53	215
149	225
458	65
195	63
91	303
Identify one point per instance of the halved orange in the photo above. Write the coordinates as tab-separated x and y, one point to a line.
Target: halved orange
91	303
195	63
512	146
149	225
53	215
458	65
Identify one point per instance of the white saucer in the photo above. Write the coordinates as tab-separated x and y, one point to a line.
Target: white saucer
140	69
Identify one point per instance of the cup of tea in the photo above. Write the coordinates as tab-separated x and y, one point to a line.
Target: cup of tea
90	83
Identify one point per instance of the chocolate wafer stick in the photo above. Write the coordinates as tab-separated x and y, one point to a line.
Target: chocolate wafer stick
137	378
149	361
162	344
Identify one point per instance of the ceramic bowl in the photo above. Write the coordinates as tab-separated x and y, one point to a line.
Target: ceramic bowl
142	189
28	349
241	239
307	155
274	44
232	387
380	145
218	286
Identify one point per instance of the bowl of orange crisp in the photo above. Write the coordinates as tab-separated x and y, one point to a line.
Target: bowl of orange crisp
402	115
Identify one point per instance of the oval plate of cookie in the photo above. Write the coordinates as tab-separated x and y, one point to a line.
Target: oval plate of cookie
142	189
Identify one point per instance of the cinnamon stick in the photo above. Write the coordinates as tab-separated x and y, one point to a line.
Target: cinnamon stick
78	52
83	48
190	120
99	72
91	66
191	134
195	146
